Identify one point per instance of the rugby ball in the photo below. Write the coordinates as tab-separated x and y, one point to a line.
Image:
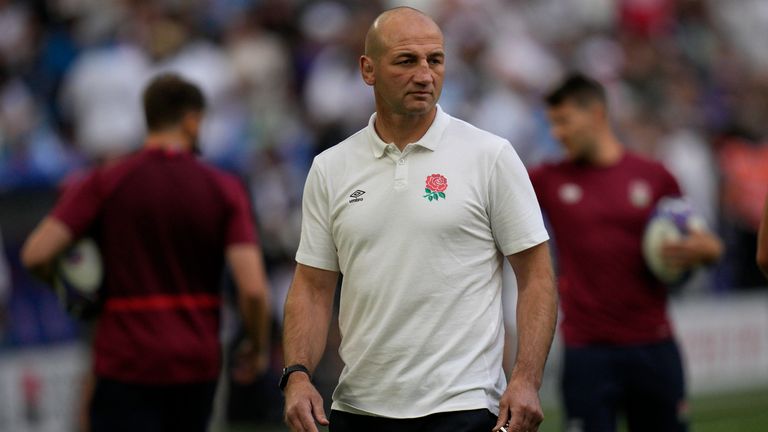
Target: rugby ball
671	220
78	279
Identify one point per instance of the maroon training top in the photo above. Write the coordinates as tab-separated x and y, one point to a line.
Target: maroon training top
598	217
163	221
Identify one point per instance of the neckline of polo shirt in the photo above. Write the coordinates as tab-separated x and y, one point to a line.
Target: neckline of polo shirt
167	153
430	140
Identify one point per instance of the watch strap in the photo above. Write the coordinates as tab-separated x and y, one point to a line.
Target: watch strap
288	370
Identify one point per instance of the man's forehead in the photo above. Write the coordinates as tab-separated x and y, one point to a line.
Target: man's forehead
424	46
566	105
408	41
561	111
410	29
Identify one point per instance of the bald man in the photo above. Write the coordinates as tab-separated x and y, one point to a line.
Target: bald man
417	211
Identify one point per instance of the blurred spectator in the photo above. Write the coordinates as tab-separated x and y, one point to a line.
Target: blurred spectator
337	101
261	64
102	98
5	284
30	151
743	23
15	34
744	165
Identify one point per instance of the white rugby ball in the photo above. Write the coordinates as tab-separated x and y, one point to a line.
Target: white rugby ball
671	220
79	275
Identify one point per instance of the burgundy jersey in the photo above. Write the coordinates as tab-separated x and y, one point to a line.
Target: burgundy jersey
598	217
163	221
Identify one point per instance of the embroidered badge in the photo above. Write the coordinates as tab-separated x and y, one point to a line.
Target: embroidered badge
640	193
435	188
570	193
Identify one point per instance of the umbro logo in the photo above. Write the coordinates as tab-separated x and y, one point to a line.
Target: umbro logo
356	196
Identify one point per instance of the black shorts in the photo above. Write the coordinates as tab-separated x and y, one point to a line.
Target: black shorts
643	382
118	407
480	420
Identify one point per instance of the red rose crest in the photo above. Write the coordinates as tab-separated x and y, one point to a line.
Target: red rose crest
435	188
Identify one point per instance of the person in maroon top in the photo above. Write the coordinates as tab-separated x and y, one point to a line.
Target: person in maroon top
762	242
620	353
166	225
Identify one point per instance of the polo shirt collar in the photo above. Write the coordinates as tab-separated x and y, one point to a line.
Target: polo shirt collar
430	140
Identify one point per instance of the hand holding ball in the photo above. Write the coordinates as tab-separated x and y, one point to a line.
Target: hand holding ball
79	274
670	225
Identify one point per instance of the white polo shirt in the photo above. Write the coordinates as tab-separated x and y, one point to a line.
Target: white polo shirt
421	318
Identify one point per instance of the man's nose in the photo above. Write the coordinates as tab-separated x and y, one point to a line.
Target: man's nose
423	73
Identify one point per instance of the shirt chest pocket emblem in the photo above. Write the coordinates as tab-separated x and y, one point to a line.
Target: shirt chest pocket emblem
435	187
570	193
640	194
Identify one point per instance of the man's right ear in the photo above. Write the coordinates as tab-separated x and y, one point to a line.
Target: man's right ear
366	70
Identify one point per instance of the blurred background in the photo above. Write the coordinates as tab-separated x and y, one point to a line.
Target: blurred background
687	83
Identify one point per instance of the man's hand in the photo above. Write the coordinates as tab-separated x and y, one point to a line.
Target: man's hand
520	407
303	404
249	363
698	248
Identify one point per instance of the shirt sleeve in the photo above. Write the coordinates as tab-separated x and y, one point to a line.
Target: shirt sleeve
516	220
670	187
240	227
316	247
536	176
80	204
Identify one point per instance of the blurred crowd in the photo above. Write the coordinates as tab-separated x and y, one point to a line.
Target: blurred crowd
687	83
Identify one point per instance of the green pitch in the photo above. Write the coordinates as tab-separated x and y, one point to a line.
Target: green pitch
733	412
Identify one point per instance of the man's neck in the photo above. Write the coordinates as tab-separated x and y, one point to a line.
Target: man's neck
610	151
403	129
167	140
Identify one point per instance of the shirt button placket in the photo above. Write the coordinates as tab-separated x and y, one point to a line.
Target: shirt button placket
401	174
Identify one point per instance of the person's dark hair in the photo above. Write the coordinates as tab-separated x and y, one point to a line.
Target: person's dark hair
576	88
167	98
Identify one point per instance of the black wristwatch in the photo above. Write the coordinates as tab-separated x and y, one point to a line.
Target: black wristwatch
288	370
